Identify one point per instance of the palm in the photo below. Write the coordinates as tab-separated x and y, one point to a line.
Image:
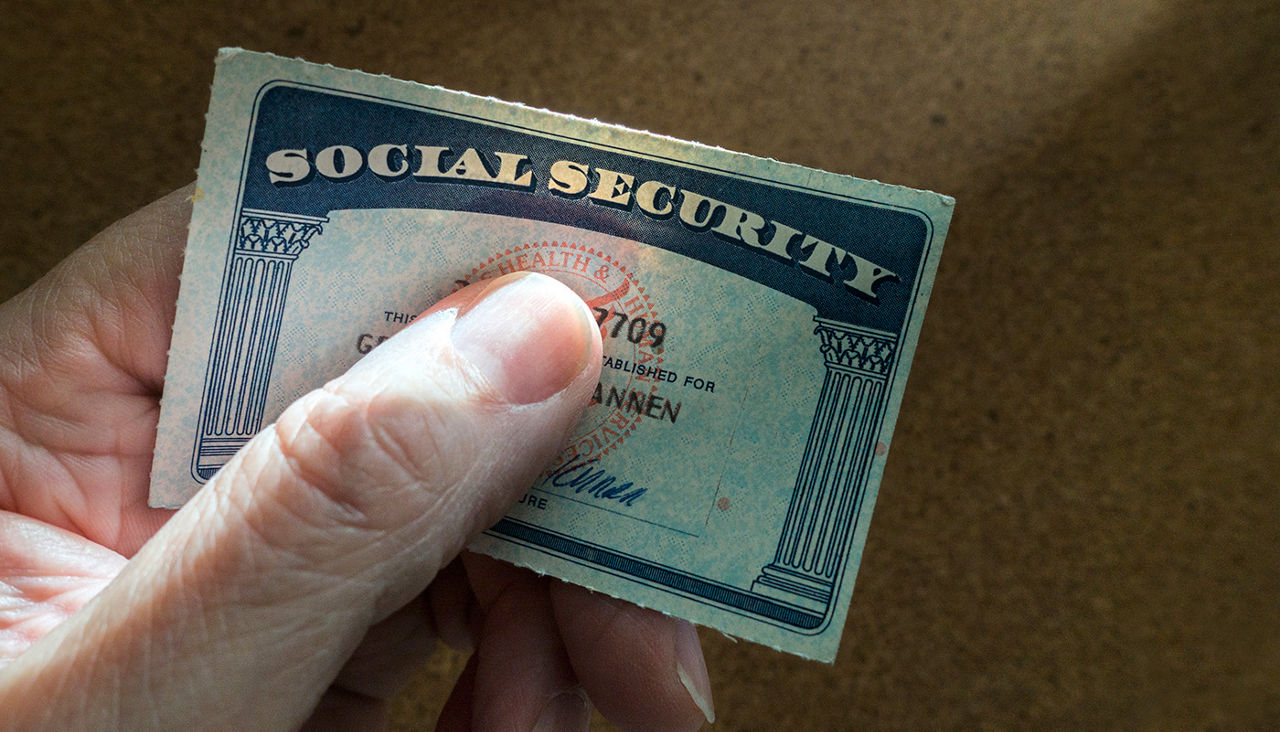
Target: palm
79	397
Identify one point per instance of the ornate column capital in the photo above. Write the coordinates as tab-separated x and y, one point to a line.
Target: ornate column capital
863	351
272	232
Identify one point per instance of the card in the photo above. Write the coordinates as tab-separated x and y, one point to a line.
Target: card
758	318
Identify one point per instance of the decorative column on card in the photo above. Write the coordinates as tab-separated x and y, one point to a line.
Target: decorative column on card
243	350
833	473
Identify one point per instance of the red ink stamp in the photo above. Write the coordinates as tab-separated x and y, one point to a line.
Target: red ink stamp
633	334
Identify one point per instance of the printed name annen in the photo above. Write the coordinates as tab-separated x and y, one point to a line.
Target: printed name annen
629	400
570	179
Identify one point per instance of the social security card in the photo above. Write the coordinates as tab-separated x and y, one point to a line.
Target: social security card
758	319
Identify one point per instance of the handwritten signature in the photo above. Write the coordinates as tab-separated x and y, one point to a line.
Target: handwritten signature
583	478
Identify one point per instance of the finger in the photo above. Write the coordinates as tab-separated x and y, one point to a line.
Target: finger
523	678
642	669
242	609
455	716
451	603
380	666
390	652
342	709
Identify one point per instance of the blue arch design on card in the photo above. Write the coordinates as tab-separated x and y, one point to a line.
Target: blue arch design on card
799	588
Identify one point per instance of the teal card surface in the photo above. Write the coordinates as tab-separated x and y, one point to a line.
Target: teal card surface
759	321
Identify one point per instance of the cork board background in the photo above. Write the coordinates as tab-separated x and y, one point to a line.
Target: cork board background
1080	521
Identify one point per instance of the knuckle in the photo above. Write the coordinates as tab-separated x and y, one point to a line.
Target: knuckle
365	458
410	437
314	438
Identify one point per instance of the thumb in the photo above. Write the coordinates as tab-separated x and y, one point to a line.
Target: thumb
243	608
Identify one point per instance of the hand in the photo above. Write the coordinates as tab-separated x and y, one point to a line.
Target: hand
313	574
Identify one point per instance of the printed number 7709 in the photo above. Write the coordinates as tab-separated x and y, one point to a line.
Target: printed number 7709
637	328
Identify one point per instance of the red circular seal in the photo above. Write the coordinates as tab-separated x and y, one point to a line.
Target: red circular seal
619	303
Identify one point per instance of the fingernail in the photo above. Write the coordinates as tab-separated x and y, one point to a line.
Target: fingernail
691	667
528	334
566	710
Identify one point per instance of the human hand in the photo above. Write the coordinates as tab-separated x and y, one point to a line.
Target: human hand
312	575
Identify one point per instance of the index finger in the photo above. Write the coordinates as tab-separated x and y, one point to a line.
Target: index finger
642	669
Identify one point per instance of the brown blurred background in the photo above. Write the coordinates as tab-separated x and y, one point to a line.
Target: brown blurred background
1080	521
